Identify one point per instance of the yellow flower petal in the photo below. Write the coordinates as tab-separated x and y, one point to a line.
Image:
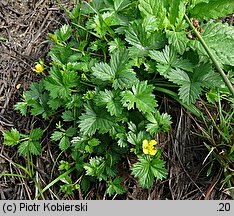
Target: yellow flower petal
152	142
146	151
145	144
152	151
148	147
39	68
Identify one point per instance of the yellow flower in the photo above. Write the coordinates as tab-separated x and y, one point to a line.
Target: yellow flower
39	68
148	147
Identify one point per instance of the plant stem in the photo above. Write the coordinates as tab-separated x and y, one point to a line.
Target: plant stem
212	57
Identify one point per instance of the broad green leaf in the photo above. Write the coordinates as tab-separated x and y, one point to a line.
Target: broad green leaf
189	90
36	134
57	135
95	120
168	59
118	72
59	82
11	137
111	100
155	11
103	72
64	143
178	40
96	167
158	122
167	56
158	169
65	32
29	146
135	138
68	115
176	13
147	169
220	39
22	107
141	96
70	132
212	9
94	142
121	5
137	36
36	90
115	187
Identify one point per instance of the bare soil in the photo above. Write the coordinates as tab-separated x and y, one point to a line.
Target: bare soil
24	26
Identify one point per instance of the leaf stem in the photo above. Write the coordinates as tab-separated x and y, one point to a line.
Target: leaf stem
212	57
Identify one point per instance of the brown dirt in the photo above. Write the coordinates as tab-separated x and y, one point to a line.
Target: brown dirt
24	26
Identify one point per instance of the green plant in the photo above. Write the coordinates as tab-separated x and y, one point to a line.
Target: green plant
108	67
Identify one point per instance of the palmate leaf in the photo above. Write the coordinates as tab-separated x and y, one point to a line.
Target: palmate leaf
118	72
36	134
154	11
11	137
115	187
140	96
158	122
189	90
59	83
220	39
139	36
95	120
178	40
111	100
29	146
147	169
168	59
192	84
212	9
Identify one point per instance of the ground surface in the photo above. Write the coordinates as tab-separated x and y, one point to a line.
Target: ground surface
23	29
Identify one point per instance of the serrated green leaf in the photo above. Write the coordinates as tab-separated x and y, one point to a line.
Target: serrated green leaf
158	122
147	169
96	167
70	132
220	39
213	9
65	32
167	56
59	82
94	142
85	183
64	143
118	72
140	96
155	11
111	100
190	89
36	90
57	135
29	146
168	59
137	36
135	138
158	169
22	107
103	72
115	187
178	40
95	120
68	115
176	13
36	134
11	137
